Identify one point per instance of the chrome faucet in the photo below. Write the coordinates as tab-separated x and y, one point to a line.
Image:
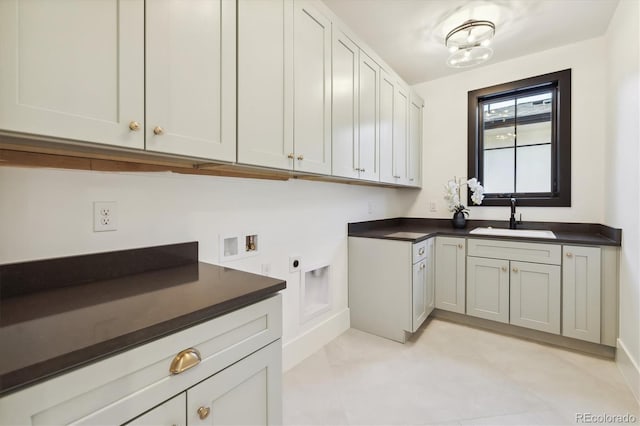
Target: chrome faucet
512	219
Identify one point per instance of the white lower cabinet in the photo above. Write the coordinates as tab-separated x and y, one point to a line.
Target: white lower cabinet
237	381
567	290
246	393
391	289
535	296
488	288
514	282
450	274
581	290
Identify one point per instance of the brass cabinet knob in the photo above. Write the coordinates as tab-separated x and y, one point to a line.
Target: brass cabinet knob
515	269
185	360
158	130
134	125
203	412
290	156
300	157
504	269
460	246
569	254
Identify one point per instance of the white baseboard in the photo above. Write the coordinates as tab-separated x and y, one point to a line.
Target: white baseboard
296	350
629	368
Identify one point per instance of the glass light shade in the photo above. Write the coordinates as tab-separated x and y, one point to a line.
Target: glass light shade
470	33
469	57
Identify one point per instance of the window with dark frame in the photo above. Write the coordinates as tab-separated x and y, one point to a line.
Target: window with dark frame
519	141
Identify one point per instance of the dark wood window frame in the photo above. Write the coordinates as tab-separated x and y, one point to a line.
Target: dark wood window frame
560	82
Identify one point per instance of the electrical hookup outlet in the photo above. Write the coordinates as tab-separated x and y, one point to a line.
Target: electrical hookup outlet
295	262
105	216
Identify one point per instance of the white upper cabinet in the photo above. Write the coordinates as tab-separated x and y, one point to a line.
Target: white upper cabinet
284	65
394	130
73	69
400	134
265	83
345	106
385	127
355	146
368	143
190	78
312	88
77	70
415	141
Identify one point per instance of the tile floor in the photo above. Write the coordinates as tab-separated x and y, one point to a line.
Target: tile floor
451	374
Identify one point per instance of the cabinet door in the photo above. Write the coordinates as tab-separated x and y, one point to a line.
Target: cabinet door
419	300
170	413
415	141
368	144
73	69
488	288
246	393
401	133
535	296
265	83
581	293
394	129
312	89
191	78
345	106
450	274
385	127
431	277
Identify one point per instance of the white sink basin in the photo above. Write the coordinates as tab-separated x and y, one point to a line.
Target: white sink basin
527	233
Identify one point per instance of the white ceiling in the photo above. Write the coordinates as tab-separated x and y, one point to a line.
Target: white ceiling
405	33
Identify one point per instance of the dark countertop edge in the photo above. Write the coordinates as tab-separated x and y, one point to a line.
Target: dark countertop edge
18	279
566	233
63	364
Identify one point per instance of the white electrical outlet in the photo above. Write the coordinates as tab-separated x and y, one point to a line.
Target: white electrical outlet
432	206
105	216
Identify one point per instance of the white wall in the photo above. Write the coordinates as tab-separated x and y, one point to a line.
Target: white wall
445	131
48	213
623	176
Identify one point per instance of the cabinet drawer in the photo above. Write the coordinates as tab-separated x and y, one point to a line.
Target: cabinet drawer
110	391
419	251
512	250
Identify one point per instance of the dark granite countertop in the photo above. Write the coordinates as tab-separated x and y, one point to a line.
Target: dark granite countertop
566	233
85	314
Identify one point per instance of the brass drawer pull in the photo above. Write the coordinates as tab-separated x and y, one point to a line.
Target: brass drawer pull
185	360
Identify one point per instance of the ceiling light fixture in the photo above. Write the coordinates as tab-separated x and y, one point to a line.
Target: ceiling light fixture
469	43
